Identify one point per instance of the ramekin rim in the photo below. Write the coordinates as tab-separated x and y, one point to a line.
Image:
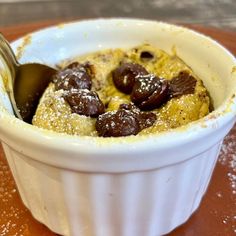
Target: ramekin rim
218	117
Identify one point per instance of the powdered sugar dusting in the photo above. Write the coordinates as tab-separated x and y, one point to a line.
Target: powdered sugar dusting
228	157
9	215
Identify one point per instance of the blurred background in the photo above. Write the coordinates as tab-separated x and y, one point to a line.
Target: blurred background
217	13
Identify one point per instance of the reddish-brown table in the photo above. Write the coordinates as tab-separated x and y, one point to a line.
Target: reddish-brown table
216	215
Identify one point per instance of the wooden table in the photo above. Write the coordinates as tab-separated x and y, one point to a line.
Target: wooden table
216	215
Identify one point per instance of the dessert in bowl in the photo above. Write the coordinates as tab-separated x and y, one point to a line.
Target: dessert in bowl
134	185
113	93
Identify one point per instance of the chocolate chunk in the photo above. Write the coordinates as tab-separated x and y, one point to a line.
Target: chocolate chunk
90	69
146	56
182	84
149	92
157	98
146	119
128	120
124	76
144	86
74	76
117	123
85	102
129	106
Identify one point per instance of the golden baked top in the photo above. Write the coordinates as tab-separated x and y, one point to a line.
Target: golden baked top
120	92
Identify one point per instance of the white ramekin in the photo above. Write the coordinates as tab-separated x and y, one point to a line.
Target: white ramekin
128	186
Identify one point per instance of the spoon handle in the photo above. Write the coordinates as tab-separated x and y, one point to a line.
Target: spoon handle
11	62
7	53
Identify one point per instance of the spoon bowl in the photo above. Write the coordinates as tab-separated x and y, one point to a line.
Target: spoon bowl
27	83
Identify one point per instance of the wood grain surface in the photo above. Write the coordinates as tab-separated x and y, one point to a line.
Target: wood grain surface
217	213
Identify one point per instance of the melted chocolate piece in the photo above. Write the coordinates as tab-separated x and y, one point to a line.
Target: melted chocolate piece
146	56
149	92
157	98
74	76
128	120
182	84
85	102
147	119
90	69
129	106
124	76
144	86
119	123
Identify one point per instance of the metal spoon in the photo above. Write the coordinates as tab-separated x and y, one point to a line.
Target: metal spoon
27	83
